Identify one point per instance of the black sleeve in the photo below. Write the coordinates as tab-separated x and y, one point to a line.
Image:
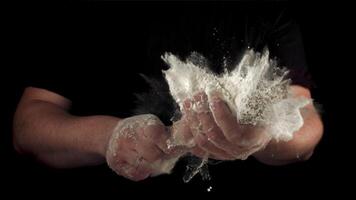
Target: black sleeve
46	57
52	80
227	29
286	44
92	63
280	32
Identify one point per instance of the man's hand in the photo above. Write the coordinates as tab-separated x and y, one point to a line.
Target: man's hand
138	148
216	132
212	130
44	128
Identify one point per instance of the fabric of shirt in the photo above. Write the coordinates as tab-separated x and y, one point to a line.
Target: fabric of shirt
94	55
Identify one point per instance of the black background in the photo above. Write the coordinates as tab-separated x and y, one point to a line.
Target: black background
326	30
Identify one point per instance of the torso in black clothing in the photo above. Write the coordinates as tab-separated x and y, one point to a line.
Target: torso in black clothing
93	54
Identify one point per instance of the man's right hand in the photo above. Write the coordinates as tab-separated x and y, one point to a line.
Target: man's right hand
44	128
138	148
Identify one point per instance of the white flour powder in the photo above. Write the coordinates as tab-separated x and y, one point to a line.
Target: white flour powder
256	91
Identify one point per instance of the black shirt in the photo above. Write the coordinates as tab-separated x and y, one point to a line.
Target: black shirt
93	55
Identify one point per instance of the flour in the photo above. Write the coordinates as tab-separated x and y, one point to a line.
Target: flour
256	91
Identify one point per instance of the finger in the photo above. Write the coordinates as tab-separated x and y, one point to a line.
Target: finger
212	131
181	134
252	136
191	118
201	107
158	135
203	142
127	162
140	173
197	151
133	173
202	154
225	120
140	170
200	102
138	150
149	151
210	128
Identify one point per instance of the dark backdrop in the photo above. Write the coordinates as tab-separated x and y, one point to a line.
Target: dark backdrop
326	30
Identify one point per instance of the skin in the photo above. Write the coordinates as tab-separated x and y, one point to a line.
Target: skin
44	128
221	134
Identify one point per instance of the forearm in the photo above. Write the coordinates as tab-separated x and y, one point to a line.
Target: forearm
48	132
300	147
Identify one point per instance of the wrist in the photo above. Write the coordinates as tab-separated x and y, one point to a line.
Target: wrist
97	131
110	124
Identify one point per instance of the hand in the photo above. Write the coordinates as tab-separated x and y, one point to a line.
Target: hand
215	131
138	148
